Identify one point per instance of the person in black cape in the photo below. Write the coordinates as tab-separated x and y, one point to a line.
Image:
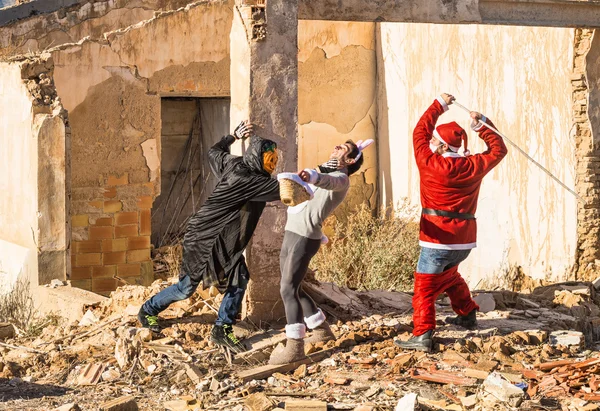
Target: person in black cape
218	233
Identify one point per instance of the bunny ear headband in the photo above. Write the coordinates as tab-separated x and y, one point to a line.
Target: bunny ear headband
362	145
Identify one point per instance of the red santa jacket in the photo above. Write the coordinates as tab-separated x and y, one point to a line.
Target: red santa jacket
451	183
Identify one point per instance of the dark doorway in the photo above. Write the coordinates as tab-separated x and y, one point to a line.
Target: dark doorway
190	126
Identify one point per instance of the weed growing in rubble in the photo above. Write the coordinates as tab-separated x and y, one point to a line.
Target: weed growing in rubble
17	307
371	252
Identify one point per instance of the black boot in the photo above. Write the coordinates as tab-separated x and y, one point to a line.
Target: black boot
468	321
423	342
223	335
149	321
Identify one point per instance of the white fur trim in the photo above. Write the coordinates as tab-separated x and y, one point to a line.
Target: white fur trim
315	320
443	103
437	135
313	176
295	331
439	246
477	126
452	154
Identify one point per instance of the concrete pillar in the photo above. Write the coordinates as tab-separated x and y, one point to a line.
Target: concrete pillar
264	88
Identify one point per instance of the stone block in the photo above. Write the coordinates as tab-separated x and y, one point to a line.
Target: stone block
128	270
80	220
104	271
135	256
100	233
145	222
119	244
145	202
126	403
102	221
566	338
114	180
118	257
110	192
112	206
80	247
81	273
126	231
138	243
84	260
84	284
124	218
103	285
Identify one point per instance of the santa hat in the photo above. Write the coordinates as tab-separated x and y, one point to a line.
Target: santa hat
453	135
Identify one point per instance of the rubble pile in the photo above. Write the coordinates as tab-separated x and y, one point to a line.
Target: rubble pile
531	352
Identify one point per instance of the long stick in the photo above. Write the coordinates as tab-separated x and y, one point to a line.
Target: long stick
544	169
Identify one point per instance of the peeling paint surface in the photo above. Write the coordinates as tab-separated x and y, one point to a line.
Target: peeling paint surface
151	155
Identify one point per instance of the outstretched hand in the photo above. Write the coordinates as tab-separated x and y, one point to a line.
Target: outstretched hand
243	130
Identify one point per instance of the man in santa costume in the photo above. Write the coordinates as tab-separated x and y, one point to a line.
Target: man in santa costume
450	185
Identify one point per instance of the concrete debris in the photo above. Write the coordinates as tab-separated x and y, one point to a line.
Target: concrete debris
496	389
68	407
407	403
486	302
514	352
567	338
88	319
125	403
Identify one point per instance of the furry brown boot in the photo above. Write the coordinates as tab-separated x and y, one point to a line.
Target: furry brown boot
293	351
322	333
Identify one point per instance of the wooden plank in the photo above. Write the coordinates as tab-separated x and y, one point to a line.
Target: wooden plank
442	377
305	405
266	371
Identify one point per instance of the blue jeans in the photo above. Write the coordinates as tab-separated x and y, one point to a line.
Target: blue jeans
185	288
434	261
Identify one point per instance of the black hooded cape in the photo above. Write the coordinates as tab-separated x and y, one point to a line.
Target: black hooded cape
218	233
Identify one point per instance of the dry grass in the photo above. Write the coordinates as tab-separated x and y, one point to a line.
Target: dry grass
167	261
371	252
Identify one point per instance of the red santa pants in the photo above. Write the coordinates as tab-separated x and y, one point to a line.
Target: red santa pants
428	287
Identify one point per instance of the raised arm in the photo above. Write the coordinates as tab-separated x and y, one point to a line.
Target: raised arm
325	181
219	155
426	125
496	149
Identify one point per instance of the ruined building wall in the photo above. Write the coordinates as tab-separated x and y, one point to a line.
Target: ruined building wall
33	176
68	25
586	130
337	98
519	77
113	91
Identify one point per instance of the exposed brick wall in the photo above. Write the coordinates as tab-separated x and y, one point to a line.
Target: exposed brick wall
111	234
588	164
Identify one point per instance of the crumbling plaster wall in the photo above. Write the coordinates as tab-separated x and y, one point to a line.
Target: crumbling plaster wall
519	77
586	129
112	89
71	24
337	98
34	171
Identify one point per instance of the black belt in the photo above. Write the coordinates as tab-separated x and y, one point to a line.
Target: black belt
449	214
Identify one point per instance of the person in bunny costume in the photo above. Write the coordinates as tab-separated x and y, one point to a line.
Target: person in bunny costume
302	239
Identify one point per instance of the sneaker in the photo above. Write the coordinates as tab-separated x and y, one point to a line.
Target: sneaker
149	321
423	342
468	321
223	336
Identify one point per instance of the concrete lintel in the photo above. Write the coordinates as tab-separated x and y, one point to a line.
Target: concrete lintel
550	13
